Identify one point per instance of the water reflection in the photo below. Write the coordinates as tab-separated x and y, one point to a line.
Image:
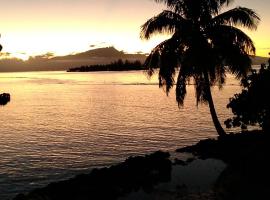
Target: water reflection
212	179
114	115
195	179
248	181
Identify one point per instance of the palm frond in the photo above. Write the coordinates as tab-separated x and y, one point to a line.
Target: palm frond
224	2
239	63
233	48
239	16
175	5
200	89
169	62
223	35
181	90
220	76
214	6
165	56
167	73
168	2
152	62
166	22
185	6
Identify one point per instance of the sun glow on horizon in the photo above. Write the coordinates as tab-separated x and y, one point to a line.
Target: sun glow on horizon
66	27
30	44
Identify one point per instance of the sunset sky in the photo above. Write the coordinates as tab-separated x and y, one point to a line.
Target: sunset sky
32	27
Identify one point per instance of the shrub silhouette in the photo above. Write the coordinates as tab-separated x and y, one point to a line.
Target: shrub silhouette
252	105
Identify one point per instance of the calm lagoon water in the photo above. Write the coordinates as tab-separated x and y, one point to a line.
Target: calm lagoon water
60	124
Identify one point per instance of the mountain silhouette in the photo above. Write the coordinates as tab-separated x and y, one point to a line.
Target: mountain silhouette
257	60
47	62
107	52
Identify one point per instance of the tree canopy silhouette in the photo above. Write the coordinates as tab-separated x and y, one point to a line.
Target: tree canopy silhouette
118	65
252	105
204	45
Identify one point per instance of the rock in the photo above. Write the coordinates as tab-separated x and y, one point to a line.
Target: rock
4	98
141	172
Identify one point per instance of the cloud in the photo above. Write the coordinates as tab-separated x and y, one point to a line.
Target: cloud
99	45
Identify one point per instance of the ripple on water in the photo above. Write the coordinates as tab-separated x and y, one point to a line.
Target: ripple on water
51	131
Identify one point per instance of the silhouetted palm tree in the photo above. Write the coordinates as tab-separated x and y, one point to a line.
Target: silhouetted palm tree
204	45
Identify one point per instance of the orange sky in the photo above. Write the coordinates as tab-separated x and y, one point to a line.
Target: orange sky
32	27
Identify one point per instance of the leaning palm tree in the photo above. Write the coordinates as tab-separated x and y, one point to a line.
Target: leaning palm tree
206	43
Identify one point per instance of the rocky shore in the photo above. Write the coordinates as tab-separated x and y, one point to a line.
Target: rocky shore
109	183
245	174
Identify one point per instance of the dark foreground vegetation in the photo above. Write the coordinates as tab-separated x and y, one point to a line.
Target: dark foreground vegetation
4	98
119	65
251	107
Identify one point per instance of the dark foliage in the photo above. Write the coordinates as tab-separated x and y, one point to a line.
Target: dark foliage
119	65
252	106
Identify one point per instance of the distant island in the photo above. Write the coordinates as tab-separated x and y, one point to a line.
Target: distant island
99	56
118	65
49	62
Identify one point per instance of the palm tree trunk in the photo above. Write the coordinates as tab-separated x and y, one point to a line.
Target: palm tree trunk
213	113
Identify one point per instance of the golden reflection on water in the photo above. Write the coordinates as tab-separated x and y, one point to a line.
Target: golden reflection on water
59	122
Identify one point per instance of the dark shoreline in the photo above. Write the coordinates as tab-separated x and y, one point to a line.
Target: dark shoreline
119	65
245	177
